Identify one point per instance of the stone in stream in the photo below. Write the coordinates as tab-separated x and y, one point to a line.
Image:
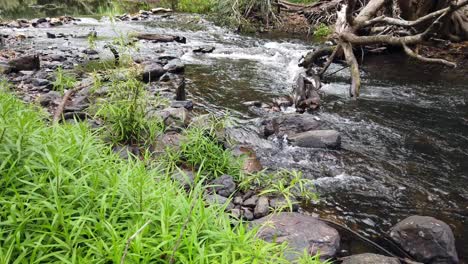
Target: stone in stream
289	124
187	104
224	185
179	84
301	232
369	258
204	49
175	66
317	139
25	63
152	72
426	239
40	82
161	38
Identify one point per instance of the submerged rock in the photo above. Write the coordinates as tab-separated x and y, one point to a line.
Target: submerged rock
204	49
317	139
301	232
152	72
369	258
426	239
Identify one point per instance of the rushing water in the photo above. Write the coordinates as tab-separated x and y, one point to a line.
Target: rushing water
404	140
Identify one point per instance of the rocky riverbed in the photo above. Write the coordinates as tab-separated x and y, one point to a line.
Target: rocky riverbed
278	138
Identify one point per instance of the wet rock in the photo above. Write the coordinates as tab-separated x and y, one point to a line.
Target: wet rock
187	104
215	199
25	63
369	258
283	101
426	239
185	178
247	214
50	98
90	52
305	93
204	49
175	66
152	72
51	35
57	57
317	139
301	232
161	38
224	185
179	84
289	124
4	68
262	208
251	202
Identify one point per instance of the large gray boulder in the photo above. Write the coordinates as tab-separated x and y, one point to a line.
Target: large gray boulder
152	72
317	139
369	258
427	239
301	232
289	124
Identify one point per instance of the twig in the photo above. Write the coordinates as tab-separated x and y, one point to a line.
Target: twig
61	106
329	61
414	55
122	260
59	111
179	240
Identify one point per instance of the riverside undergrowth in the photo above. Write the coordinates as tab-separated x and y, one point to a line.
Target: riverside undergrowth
66	198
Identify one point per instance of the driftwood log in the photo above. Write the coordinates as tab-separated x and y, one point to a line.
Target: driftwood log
380	23
161	38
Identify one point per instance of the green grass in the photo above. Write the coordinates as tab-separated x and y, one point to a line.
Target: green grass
322	31
66	198
63	80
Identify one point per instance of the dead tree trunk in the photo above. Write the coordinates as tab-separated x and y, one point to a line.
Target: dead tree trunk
401	23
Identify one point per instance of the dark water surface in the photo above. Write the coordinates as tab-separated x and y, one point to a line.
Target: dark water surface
405	140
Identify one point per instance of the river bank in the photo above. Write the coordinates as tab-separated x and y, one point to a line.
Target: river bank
271	154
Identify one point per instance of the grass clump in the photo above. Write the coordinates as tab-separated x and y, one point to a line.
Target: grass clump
289	185
63	80
200	146
65	198
322	31
124	113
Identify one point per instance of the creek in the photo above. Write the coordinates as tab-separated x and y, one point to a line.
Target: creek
404	141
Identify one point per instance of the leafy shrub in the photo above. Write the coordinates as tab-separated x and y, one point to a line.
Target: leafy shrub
322	31
65	198
63	80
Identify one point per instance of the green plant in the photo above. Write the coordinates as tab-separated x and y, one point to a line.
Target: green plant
4	85
92	38
195	6
66	198
200	146
289	185
63	80
322	31
124	112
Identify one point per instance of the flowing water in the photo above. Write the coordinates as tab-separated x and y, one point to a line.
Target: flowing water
405	139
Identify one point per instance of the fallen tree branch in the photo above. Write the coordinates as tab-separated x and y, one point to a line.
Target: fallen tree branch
413	54
354	69
60	108
329	61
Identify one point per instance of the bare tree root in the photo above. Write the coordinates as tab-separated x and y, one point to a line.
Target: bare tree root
361	26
